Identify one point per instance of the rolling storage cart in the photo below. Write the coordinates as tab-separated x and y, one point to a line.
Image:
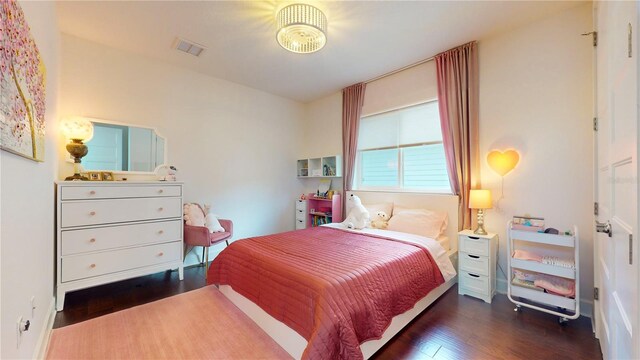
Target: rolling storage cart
549	245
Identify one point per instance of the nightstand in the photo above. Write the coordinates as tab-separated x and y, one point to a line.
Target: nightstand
477	264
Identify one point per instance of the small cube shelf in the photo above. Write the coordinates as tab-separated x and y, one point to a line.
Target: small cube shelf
328	166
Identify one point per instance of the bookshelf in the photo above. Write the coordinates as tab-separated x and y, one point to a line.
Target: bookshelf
327	166
323	211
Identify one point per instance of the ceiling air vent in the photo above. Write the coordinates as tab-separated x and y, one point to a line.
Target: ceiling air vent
188	47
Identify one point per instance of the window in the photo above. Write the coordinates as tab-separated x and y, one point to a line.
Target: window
402	150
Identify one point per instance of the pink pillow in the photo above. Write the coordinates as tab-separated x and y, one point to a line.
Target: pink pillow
423	222
193	215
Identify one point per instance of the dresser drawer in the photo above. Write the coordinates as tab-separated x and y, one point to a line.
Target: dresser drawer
300	224
104	238
102	263
475	283
79	213
301	205
300	214
474	245
474	264
116	192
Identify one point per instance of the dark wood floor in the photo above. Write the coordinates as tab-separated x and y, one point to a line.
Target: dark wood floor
455	327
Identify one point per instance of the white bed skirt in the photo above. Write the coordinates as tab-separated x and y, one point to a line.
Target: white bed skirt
295	344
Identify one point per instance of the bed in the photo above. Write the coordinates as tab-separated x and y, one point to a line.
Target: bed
331	292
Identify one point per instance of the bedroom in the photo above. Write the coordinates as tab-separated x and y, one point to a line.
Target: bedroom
237	119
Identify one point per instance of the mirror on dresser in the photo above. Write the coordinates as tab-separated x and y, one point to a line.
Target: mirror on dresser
124	148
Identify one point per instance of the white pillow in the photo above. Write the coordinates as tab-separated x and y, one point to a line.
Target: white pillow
423	222
213	224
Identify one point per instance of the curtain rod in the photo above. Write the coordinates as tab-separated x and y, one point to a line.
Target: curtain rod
401	69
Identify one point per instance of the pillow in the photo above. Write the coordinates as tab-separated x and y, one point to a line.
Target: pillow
193	214
423	222
213	224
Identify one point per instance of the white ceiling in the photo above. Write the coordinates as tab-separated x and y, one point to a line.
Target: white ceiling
365	39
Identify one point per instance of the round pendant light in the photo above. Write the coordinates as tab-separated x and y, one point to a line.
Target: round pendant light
302	28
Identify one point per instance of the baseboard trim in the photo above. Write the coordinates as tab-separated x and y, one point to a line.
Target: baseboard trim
586	306
45	333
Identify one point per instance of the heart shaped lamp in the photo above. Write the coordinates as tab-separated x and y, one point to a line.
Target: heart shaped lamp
503	162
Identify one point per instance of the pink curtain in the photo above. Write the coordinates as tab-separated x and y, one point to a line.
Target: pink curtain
352	100
458	98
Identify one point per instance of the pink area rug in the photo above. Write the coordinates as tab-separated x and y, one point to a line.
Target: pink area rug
200	324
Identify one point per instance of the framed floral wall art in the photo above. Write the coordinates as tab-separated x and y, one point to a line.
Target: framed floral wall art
22	86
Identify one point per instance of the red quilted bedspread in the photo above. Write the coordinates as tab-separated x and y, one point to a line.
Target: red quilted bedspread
335	288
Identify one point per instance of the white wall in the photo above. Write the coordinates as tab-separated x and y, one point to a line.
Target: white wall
322	135
536	97
235	147
27	207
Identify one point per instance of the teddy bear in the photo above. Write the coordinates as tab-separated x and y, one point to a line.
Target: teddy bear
193	214
381	220
358	215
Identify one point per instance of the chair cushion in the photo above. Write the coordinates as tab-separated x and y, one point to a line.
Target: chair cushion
218	237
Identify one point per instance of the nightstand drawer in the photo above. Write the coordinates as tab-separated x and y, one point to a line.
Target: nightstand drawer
301	205
474	264
474	245
478	284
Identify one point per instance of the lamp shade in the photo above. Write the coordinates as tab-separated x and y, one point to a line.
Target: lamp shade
302	28
480	199
77	128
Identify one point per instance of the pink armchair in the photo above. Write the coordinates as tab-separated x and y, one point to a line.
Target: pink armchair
200	236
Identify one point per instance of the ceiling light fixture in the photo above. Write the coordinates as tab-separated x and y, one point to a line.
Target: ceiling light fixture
302	28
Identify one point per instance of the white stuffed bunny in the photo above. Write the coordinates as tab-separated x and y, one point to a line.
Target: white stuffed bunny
358	215
381	221
212	223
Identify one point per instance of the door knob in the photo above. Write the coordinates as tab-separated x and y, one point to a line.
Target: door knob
604	227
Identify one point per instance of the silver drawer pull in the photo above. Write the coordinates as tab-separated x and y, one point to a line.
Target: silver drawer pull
92	213
160	191
92	240
161	254
92	192
474	275
161	232
160	209
92	266
473	256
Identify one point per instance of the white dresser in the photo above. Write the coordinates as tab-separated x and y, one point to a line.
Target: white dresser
477	265
301	214
109	231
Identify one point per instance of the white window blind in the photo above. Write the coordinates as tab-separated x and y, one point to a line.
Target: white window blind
402	150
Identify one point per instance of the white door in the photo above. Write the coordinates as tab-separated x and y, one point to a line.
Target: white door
615	257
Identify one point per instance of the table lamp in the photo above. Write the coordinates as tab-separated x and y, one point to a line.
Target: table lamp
480	200
77	130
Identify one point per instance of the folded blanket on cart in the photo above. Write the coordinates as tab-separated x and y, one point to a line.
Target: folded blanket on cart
552	284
